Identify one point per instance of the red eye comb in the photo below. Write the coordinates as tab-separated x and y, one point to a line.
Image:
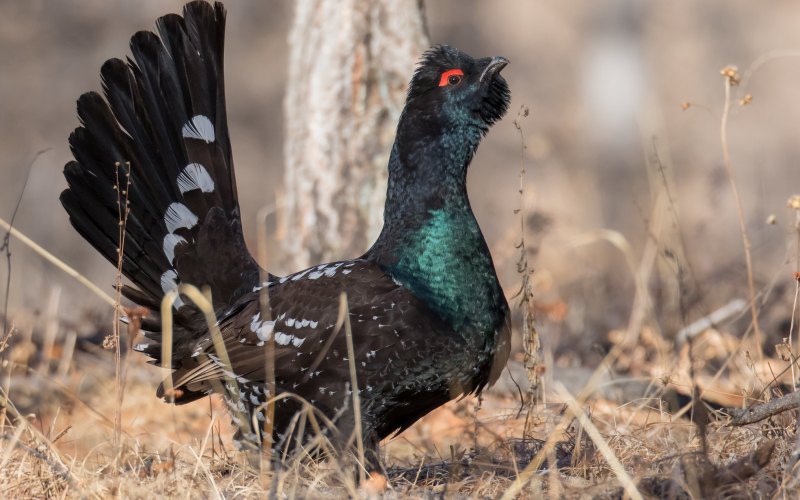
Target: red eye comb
444	80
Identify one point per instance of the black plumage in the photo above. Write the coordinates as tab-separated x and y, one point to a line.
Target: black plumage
429	319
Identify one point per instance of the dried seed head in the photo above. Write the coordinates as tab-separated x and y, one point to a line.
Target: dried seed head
686	105
731	73
772	220
747	99
109	343
794	202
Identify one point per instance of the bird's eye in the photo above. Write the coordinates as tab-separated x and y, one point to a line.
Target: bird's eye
451	77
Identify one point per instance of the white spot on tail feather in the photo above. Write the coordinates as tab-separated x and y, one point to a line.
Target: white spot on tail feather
199	127
170	242
195	176
177	216
169	282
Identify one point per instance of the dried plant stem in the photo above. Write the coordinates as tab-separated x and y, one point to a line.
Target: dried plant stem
351	359
791	330
530	337
123	209
269	346
5	246
730	78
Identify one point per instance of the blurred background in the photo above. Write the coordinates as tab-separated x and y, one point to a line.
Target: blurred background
606	83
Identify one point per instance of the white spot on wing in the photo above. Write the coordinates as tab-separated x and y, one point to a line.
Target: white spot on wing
262	329
170	242
324	270
195	176
331	271
300	275
199	127
283	338
177	216
265	331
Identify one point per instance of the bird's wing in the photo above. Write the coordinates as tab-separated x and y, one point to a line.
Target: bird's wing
397	341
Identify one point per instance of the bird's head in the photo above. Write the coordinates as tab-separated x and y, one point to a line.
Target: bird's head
450	89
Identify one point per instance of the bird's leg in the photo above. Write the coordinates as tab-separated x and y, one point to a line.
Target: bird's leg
372	456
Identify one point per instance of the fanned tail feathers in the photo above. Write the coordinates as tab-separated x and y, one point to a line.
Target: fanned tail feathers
163	121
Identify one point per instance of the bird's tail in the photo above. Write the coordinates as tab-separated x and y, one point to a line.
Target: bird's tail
161	124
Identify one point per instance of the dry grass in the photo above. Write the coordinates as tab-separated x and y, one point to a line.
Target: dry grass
67	448
61	443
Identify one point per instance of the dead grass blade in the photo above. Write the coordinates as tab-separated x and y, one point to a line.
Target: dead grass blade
58	263
351	360
602	445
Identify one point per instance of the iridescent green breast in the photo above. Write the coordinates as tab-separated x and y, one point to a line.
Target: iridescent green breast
446	264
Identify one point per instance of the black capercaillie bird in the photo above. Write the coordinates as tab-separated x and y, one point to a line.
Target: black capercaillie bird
429	320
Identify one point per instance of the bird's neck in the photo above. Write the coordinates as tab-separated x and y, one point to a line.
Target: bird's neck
428	169
431	242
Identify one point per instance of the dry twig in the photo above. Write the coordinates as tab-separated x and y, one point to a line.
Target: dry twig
757	413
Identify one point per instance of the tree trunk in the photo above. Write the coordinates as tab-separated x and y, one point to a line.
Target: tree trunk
349	64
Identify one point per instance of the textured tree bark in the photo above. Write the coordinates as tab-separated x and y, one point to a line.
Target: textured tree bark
349	64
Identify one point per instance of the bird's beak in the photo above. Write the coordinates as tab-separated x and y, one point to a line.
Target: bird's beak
494	67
